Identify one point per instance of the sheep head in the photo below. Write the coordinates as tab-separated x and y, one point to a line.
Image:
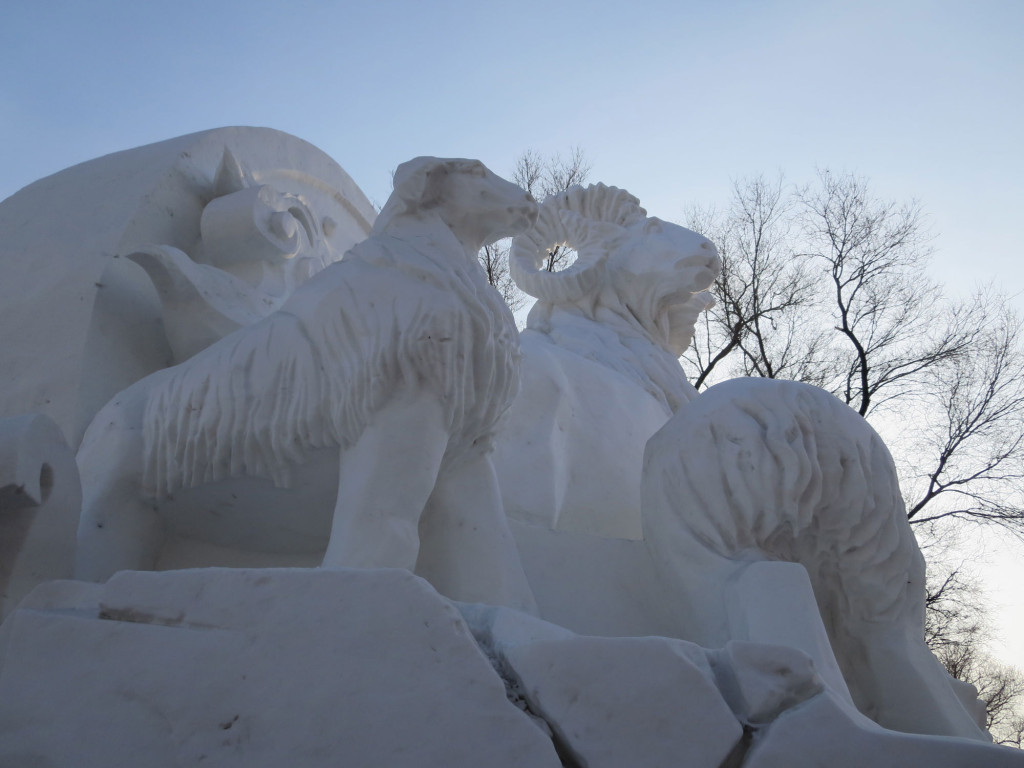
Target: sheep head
639	267
477	205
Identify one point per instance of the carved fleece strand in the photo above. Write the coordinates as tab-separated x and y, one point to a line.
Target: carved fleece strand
800	478
266	394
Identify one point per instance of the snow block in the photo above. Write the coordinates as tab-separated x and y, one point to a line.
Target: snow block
823	732
254	668
40	501
639	702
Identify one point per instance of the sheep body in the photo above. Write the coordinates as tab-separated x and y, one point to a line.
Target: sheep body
600	358
329	360
393	366
757	470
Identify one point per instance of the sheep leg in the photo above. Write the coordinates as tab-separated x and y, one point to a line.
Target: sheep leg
466	548
118	529
908	688
384	482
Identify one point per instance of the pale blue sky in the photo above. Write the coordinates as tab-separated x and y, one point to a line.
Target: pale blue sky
671	100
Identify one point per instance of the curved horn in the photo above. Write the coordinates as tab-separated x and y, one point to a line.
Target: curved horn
584	219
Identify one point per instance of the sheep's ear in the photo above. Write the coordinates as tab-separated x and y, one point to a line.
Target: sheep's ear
653	225
231	176
417	182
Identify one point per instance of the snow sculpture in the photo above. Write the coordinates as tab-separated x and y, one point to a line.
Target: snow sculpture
240	682
396	362
257	245
89	322
350	427
600	358
261	668
759	470
40	497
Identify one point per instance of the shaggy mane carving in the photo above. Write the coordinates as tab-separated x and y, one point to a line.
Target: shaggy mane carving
798	477
323	381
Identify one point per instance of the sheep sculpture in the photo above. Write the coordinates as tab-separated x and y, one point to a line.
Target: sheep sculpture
761	470
600	358
364	407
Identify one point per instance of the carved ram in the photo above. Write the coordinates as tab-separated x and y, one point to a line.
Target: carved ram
762	473
600	358
365	407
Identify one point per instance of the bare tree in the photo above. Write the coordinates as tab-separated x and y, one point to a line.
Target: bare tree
956	634
494	259
954	602
957	630
540	176
1000	687
969	461
763	292
883	301
829	285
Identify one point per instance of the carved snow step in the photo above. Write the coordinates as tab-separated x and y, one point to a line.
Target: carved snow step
271	667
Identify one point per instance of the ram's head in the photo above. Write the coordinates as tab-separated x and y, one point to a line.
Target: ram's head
477	205
646	270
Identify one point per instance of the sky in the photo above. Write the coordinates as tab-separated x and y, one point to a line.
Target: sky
672	100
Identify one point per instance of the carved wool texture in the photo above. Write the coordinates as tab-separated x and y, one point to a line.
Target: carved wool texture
313	374
801	478
614	340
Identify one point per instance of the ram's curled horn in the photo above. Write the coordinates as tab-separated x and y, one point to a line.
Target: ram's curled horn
584	219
